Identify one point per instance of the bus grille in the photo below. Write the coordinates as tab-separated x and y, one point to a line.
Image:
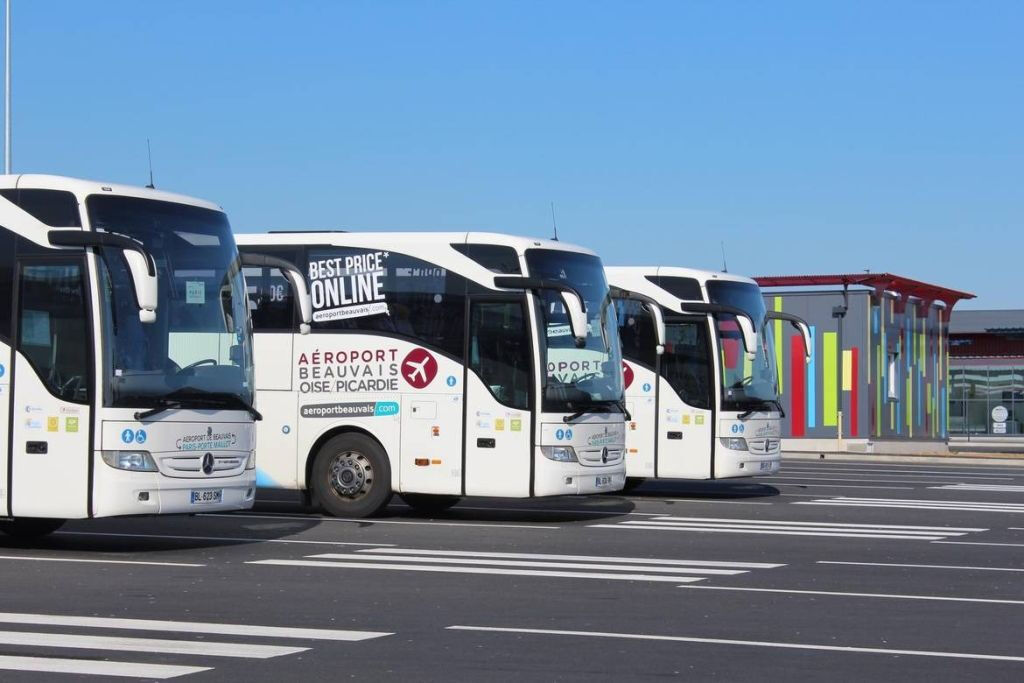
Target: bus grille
595	457
191	466
763	446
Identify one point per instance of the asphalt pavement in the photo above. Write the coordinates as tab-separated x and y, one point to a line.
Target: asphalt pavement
828	570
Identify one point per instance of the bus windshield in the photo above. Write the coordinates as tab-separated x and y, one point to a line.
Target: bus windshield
746	384
578	378
199	350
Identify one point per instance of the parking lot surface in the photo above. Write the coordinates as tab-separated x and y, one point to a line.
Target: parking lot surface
837	570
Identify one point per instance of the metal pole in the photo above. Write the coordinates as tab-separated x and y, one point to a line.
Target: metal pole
7	86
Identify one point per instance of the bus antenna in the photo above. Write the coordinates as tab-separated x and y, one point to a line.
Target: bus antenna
554	225
149	152
725	268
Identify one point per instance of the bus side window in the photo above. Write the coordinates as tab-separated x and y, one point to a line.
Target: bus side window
270	300
686	363
499	350
53	329
636	330
8	242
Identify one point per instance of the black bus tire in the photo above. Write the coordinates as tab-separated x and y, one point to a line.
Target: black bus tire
351	476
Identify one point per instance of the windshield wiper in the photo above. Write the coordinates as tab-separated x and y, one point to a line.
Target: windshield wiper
760	405
598	408
194	398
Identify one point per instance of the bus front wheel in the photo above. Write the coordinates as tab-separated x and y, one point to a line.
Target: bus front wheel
30	528
351	476
428	504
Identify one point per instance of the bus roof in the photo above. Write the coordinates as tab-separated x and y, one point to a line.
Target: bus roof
635	279
398	240
82	188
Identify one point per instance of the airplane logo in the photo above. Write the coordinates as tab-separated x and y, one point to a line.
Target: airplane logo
419	368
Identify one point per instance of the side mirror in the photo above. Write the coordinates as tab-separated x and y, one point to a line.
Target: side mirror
140	263
571	298
295	278
805	332
749	336
659	327
146	288
577	316
800	324
742	319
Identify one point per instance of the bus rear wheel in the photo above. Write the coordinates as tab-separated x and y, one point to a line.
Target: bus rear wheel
427	503
351	476
30	528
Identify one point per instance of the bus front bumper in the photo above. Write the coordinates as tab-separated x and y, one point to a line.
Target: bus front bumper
118	492
572	479
733	463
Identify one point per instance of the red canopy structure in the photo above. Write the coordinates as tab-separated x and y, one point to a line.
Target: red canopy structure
904	286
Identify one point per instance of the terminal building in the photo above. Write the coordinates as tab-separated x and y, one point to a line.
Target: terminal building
877	378
986	375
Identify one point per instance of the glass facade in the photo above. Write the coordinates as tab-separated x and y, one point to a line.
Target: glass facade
975	390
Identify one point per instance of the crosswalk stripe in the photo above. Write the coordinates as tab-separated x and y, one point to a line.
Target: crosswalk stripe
188	627
127	644
896	503
92	667
787	528
780	527
476	570
576	558
900	527
769	533
526	563
1007	488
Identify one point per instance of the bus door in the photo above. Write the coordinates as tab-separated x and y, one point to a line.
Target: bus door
499	380
640	380
685	400
272	305
51	386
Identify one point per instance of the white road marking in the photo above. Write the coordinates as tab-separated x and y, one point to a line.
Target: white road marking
219	539
696	500
94	561
322	518
752	643
474	570
912	504
788	528
606	513
524	563
582	558
893	596
921	473
855	480
922	566
158	645
188	627
1009	545
92	667
1001	488
842	486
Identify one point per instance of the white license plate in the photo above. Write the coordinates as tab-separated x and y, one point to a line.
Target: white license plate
603	481
766	466
207	496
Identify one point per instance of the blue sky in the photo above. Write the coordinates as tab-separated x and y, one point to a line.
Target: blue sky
808	136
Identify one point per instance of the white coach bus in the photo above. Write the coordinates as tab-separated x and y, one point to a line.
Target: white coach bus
704	397
126	365
439	365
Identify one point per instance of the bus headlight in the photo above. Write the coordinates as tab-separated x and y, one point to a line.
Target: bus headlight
559	453
250	463
736	443
134	461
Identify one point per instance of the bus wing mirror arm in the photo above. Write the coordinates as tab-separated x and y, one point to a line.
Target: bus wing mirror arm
742	319
801	325
302	300
140	262
571	297
652	306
